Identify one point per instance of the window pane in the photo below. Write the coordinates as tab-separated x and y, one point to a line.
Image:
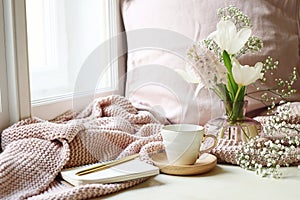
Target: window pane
61	35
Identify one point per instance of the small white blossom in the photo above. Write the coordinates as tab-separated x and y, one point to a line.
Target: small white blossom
206	68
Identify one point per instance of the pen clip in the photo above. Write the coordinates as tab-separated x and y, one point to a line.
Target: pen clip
106	165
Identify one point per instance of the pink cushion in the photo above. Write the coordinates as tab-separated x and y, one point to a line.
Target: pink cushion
275	21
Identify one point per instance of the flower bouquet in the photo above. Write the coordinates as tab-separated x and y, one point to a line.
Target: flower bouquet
215	64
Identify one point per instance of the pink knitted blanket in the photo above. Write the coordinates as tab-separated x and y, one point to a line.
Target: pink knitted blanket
35	151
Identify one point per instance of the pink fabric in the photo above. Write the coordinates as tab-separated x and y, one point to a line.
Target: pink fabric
226	150
275	21
35	150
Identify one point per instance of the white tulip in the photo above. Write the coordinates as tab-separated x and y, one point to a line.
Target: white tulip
245	74
227	37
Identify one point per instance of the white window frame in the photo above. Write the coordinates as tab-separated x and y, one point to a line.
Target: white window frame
4	113
17	65
16	60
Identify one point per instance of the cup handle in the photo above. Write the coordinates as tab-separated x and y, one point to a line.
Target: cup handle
213	146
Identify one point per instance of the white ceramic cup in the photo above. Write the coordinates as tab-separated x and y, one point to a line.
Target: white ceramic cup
183	142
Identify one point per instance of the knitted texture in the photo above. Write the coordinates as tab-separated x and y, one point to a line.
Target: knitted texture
35	151
227	150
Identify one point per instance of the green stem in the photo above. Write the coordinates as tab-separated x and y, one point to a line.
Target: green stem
237	105
271	90
222	132
245	133
257	99
237	94
232	86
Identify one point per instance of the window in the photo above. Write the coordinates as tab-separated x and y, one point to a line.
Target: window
61	35
46	44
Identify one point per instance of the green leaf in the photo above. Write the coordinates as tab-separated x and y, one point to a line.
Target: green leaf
232	85
227	61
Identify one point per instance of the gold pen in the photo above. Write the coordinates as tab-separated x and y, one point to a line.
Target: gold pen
106	165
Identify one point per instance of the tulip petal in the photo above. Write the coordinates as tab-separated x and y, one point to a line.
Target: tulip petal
236	71
240	40
227	37
245	75
226	32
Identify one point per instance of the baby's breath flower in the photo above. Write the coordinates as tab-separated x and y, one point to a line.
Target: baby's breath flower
236	15
268	156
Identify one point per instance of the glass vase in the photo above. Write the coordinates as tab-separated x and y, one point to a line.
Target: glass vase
234	125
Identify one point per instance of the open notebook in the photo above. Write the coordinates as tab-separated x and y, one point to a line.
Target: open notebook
129	170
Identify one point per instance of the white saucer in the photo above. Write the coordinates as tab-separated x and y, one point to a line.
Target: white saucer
204	164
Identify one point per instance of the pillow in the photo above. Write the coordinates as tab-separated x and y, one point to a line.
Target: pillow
275	21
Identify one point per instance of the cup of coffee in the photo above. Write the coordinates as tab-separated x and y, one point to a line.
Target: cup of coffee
183	142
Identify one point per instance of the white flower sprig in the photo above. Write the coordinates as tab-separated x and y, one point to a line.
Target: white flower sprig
279	122
241	30
206	67
231	39
229	79
233	34
266	156
281	90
